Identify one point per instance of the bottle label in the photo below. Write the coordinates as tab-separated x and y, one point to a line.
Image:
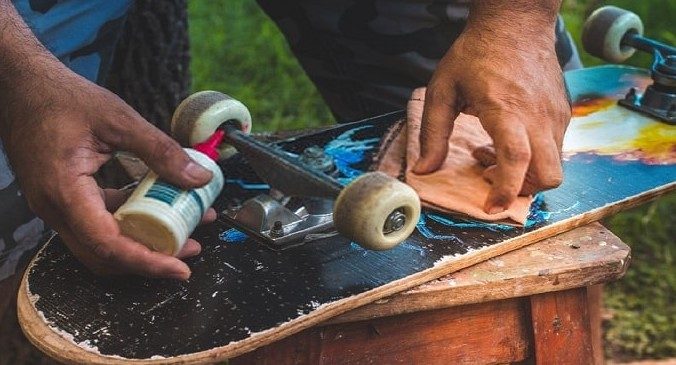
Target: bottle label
167	193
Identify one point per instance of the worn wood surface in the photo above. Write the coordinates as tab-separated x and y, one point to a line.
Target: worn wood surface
595	308
561	327
488	333
243	296
585	256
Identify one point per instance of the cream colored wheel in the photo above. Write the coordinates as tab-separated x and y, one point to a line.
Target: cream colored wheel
200	114
603	31
376	211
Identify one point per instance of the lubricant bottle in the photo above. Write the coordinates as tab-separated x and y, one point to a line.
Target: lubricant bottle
161	215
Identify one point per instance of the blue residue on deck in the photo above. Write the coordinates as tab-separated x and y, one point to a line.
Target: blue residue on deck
538	214
346	152
357	247
428	233
467	223
412	247
402	246
248	185
232	236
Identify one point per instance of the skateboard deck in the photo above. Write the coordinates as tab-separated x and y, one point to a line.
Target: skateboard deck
243	295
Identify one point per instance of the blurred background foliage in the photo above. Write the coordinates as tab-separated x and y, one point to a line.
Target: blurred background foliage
238	50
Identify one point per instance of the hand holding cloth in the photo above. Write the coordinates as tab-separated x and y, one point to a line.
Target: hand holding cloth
459	186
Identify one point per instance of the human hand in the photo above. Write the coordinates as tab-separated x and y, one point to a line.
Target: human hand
507	75
58	136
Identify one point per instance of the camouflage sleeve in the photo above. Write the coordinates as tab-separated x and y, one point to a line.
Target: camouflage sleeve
82	34
367	56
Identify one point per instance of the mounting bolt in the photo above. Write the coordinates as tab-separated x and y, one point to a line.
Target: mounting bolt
666	66
394	222
313	151
277	229
232	209
670	65
315	158
670	60
631	95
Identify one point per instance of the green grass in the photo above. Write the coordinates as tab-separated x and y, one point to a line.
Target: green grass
237	50
642	303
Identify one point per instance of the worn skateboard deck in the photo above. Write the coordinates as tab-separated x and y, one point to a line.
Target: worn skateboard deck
243	295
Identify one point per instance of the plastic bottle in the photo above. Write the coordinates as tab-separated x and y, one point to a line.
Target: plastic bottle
162	216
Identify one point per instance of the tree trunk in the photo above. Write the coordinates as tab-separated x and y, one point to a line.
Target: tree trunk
150	69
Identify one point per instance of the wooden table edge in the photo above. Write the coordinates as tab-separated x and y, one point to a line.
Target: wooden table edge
443	295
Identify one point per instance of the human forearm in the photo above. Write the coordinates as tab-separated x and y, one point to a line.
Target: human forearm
24	65
504	70
519	19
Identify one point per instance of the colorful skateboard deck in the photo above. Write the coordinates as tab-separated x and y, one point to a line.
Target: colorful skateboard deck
243	295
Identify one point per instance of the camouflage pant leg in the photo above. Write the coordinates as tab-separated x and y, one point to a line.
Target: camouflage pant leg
20	230
366	56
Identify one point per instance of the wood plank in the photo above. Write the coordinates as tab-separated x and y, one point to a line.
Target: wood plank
496	332
595	298
304	347
585	256
561	327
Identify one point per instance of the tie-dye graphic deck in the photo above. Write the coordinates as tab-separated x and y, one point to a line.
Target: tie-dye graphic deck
243	295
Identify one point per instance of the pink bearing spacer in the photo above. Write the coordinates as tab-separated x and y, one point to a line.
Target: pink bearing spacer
209	147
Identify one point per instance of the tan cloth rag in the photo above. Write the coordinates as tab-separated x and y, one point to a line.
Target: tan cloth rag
458	186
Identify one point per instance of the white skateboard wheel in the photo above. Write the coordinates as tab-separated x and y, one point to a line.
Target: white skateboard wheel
376	211
200	114
603	31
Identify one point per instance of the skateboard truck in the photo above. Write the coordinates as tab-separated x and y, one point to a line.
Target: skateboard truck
305	200
280	226
299	207
283	221
300	202
614	34
659	99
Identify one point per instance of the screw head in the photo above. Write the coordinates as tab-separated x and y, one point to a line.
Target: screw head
631	95
394	222
277	229
314	152
670	61
667	65
315	158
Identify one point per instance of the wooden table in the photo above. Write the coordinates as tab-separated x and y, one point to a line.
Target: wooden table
538	304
